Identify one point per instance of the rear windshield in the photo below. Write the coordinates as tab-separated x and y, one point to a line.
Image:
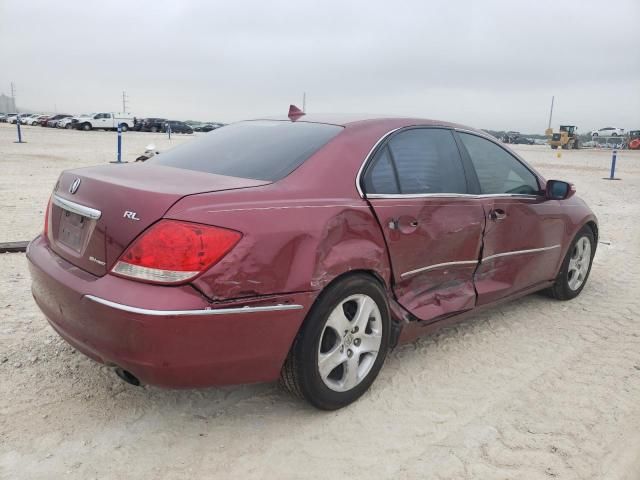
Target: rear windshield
258	149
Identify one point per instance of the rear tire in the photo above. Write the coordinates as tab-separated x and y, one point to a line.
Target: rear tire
575	267
341	345
124	127
86	127
554	147
154	129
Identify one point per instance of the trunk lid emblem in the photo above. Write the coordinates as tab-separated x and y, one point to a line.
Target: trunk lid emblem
74	186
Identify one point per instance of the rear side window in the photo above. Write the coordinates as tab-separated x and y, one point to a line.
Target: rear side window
416	161
498	171
260	150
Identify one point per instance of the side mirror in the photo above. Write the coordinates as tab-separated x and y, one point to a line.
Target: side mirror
559	190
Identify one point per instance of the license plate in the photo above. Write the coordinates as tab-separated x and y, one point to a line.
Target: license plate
72	228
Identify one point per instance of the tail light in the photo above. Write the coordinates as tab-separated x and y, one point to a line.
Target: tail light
172	251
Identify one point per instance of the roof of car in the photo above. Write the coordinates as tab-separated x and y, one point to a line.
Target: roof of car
347	120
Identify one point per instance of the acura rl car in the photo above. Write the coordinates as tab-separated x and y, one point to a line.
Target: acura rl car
301	249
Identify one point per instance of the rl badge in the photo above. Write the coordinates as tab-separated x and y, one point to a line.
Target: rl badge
130	215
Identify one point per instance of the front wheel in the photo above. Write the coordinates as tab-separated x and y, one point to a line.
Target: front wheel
86	127
342	344
124	127
576	266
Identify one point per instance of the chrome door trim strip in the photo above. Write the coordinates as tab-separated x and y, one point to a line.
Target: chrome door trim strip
76	208
366	158
403	196
521	252
438	265
182	313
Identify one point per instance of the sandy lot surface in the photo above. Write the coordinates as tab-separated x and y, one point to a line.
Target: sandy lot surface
533	389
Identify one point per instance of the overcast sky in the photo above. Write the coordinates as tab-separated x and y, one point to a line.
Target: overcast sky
488	64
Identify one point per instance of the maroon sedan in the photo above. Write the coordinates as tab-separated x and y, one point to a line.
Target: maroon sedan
302	249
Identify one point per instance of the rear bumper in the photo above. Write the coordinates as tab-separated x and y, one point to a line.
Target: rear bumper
165	336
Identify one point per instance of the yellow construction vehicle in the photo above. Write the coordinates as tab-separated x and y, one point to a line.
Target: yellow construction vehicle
566	138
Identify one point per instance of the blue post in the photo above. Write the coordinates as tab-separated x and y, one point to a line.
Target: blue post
169	130
119	160
19	132
119	143
613	165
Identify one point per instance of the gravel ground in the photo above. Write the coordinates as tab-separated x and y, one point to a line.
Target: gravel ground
533	389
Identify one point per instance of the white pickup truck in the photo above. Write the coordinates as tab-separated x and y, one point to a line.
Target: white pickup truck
106	121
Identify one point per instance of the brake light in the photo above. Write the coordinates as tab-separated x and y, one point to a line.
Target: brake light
46	219
173	251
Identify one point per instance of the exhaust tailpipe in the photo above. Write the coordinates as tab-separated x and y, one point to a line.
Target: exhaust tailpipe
127	376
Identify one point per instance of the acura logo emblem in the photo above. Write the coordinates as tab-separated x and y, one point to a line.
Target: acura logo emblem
74	186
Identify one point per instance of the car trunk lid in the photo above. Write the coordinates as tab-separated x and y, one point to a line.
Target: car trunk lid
97	212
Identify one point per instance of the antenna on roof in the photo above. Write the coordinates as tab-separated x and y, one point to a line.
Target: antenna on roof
295	112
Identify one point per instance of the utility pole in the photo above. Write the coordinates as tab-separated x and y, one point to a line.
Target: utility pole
13	95
124	101
304	101
551	112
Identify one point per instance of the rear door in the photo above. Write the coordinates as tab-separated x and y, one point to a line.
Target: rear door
524	230
417	188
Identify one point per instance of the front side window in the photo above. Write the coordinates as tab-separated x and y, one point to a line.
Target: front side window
498	171
417	161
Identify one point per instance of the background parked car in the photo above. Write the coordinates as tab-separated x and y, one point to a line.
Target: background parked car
523	141
28	118
177	127
205	127
53	120
608	132
33	121
152	124
65	123
106	121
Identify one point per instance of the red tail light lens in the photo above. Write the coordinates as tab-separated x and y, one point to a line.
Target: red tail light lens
172	251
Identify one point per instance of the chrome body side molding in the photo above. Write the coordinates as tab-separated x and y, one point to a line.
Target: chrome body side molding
183	313
520	252
438	265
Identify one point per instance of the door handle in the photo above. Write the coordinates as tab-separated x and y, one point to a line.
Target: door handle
401	224
497	214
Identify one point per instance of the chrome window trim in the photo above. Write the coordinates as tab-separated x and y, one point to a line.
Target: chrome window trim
76	208
182	313
438	265
443	195
521	252
368	156
402	196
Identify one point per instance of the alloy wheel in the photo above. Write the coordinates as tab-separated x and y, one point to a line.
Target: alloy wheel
349	343
579	263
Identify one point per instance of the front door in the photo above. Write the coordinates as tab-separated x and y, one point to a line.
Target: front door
416	186
524	231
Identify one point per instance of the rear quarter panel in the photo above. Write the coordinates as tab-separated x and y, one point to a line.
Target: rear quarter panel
294	245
